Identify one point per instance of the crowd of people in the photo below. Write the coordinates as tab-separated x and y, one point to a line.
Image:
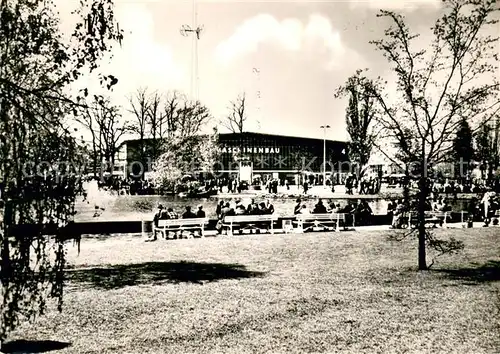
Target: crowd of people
398	209
118	186
163	214
484	209
233	185
452	187
366	185
360	210
224	208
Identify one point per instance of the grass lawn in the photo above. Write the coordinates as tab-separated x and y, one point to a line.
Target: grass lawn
349	292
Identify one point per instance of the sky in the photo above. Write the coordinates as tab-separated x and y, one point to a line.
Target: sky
288	57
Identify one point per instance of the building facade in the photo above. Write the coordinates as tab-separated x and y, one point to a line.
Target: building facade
254	154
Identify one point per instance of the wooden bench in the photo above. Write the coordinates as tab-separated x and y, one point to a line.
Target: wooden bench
431	217
175	225
250	222
437	217
325	221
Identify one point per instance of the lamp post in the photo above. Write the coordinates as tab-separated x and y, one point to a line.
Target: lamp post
324	127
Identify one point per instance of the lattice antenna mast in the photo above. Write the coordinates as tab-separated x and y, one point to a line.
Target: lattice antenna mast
195	31
256	72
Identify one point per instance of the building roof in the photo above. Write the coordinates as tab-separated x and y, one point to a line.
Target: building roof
280	137
227	136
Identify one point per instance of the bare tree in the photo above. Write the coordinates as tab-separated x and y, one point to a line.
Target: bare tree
191	118
140	105
455	78
171	109
87	119
106	126
235	120
157	123
112	128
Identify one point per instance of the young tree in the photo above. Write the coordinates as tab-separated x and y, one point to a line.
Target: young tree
360	114
463	150
407	149
187	150
454	79
235	120
39	185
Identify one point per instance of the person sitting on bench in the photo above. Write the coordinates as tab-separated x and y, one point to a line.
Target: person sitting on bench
226	211
363	213
319	208
171	214
200	213
269	207
254	210
218	210
390	208
446	207
160	215
188	214
304	210
397	220
239	208
335	208
251	207
298	207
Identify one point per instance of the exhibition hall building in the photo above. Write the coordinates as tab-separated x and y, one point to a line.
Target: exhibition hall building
256	155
